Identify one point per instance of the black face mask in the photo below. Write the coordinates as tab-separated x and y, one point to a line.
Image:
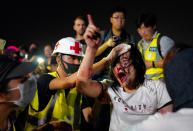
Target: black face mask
72	68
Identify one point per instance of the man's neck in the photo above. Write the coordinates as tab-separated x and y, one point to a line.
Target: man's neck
116	32
129	89
79	37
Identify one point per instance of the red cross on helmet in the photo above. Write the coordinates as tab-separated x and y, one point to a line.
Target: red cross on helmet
69	46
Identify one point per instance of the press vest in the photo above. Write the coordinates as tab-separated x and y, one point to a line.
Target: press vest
59	107
152	54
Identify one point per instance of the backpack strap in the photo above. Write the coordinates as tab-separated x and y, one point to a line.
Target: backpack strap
158	45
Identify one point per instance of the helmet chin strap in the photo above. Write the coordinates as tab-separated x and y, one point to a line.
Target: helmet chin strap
62	64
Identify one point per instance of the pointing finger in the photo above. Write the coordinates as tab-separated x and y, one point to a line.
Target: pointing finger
90	20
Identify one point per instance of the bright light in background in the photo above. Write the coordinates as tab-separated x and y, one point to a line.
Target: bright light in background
40	60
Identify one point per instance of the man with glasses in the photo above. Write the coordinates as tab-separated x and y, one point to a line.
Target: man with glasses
117	31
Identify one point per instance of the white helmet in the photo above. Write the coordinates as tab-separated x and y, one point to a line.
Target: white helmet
69	46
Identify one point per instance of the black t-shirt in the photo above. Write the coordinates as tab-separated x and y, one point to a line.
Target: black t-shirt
87	101
44	92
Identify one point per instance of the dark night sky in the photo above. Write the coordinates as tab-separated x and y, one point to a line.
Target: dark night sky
47	22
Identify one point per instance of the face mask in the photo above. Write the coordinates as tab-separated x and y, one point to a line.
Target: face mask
72	68
27	92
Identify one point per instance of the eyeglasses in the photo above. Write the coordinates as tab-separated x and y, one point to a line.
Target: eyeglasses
118	18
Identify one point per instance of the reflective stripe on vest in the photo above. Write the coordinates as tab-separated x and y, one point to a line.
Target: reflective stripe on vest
65	109
152	54
47	118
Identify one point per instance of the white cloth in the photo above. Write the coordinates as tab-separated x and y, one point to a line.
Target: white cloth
178	121
132	108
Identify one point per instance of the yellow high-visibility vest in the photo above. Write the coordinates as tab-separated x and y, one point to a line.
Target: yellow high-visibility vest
59	107
152	54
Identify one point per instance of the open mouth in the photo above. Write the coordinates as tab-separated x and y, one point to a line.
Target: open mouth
122	76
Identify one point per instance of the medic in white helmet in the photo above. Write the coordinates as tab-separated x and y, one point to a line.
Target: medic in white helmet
70	53
56	98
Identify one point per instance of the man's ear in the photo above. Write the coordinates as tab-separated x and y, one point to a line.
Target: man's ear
59	61
111	19
74	28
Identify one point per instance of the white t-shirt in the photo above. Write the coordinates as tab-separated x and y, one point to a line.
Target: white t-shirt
132	108
178	121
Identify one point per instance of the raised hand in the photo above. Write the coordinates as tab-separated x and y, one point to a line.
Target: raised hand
117	51
92	35
112	42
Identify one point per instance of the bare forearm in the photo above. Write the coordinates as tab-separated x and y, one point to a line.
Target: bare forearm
104	46
101	49
63	83
90	88
99	66
85	70
83	83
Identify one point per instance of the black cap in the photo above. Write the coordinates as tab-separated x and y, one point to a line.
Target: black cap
11	68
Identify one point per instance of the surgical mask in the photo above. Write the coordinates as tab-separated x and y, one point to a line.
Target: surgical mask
27	92
72	68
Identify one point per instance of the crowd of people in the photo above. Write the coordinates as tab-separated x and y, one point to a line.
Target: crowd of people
98	80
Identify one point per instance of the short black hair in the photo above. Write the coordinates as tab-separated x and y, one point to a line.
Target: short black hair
81	18
148	19
117	9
